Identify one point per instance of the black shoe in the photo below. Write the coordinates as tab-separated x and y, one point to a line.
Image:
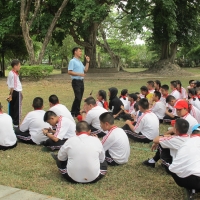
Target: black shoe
42	143
146	162
54	156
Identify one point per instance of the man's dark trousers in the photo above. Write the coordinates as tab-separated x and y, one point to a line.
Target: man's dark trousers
78	87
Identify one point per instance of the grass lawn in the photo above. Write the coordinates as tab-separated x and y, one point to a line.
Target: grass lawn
28	167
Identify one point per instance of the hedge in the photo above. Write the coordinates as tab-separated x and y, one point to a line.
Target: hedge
35	71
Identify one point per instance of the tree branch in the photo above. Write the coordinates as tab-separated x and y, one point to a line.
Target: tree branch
37	6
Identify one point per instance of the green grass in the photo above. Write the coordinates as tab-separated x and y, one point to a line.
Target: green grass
135	69
28	167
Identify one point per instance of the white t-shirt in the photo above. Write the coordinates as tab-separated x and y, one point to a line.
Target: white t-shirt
34	123
130	107
191	120
187	160
173	143
183	93
195	103
62	110
92	116
159	109
195	112
126	103
117	143
163	99
148	125
176	94
13	81
7	134
65	128
151	91
84	154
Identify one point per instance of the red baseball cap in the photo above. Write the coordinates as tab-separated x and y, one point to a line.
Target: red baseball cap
181	104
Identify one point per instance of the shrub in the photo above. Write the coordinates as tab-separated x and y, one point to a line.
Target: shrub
35	71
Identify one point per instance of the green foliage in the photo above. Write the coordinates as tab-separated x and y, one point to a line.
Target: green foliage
36	72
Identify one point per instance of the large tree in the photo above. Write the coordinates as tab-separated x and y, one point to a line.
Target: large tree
39	17
173	22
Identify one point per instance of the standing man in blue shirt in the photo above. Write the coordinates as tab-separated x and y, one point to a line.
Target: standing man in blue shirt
77	71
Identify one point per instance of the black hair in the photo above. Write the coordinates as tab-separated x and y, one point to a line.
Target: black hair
144	88
144	103
82	126
190	81
170	98
137	93
102	93
193	92
150	83
15	62
90	100
174	84
107	117
158	83
157	94
179	82
165	87
75	49
37	103
53	99
48	115
133	96
182	125
123	93
136	107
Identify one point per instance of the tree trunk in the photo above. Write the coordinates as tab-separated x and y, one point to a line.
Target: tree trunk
50	30
91	50
99	60
164	51
173	51
3	64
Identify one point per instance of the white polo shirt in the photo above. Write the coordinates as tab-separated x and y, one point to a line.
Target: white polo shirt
117	143
62	110
187	160
126	103
195	112
176	94
191	120
173	143
148	125
34	123
13	81
159	109
183	93
8	137
92	116
195	103
65	128
84	154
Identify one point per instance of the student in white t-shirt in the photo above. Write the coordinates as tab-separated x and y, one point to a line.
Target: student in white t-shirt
158	107
8	138
124	98
182	90
168	145
82	158
102	99
115	143
65	129
182	112
157	85
15	92
58	108
194	99
165	93
150	86
195	112
30	130
175	92
91	113
147	126
185	168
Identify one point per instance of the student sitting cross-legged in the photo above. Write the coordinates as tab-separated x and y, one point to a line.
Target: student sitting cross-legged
59	109
82	158
115	143
30	130
147	126
65	129
8	138
91	113
168	145
185	168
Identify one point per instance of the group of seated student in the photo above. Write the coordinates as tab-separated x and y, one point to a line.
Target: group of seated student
83	157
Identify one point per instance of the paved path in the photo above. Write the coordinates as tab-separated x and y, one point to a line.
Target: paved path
9	193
